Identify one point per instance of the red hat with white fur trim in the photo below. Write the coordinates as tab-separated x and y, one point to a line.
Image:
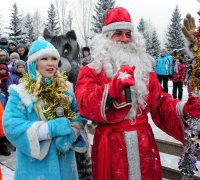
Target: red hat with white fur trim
117	18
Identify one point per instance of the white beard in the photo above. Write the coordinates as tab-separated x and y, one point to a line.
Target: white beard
112	55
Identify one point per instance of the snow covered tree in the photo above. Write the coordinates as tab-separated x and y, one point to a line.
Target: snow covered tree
28	29
52	22
174	37
83	18
155	45
37	24
69	21
1	25
16	33
101	9
141	26
64	15
148	41
151	39
144	29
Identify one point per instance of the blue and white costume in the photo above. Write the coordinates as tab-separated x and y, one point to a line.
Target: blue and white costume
38	142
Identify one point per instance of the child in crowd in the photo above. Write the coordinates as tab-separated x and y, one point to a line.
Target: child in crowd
13	57
4	56
86	57
178	77
42	119
17	73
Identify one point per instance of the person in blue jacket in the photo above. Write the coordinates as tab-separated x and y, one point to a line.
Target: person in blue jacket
42	120
164	68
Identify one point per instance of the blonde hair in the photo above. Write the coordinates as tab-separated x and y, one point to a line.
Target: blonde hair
60	80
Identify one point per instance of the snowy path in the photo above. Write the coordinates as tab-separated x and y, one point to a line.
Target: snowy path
8	174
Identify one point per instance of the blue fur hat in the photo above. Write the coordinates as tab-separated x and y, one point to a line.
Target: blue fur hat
39	48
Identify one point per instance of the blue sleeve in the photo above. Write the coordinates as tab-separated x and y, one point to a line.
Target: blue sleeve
66	142
74	108
21	130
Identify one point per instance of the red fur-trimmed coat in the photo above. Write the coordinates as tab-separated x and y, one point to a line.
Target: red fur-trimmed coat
123	148
180	75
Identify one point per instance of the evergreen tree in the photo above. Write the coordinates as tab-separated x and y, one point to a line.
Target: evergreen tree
146	33
141	26
52	22
101	9
38	24
1	27
155	45
29	30
16	32
175	41
69	21
148	41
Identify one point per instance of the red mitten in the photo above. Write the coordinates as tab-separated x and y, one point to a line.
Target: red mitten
192	107
123	78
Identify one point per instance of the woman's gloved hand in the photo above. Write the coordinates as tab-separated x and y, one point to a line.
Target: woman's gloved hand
59	127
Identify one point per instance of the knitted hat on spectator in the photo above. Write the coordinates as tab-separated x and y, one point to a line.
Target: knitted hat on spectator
20	45
39	48
3	66
3	52
4	41
14	55
117	18
13	43
19	63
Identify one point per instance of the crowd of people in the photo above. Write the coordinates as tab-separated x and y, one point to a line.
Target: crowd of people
176	69
13	59
116	88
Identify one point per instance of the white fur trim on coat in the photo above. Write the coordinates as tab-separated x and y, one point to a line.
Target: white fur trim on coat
179	110
37	151
25	97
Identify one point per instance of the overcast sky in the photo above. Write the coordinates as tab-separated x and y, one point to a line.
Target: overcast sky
158	12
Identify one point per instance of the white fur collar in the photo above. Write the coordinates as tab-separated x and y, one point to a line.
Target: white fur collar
25	97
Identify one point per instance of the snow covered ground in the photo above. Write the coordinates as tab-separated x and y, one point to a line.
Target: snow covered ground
8	173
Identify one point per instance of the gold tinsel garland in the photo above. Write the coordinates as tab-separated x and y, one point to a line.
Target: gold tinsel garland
196	67
52	95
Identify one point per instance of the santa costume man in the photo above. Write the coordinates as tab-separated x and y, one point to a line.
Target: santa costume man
124	147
